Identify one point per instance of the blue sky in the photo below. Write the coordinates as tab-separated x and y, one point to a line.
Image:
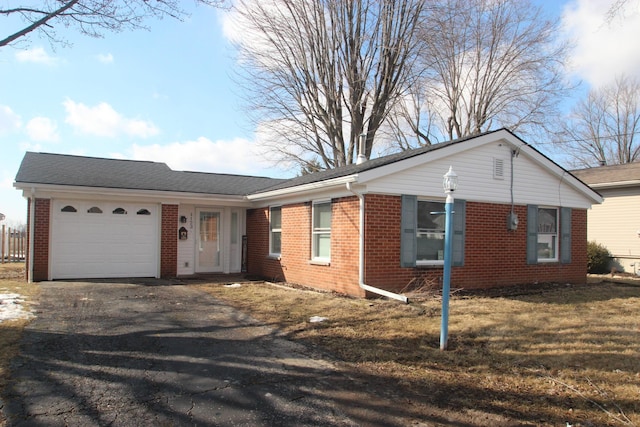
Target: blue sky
168	94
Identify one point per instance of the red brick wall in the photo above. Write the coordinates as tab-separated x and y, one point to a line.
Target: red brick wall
169	241
294	266
494	256
42	215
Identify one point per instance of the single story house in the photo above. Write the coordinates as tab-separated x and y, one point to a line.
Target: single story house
616	222
371	228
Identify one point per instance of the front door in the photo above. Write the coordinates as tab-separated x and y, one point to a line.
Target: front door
209	241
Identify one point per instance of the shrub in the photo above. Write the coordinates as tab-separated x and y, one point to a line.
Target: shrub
598	258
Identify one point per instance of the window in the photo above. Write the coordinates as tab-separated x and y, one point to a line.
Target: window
547	234
143	212
430	231
422	232
94	209
119	211
275	230
321	231
68	208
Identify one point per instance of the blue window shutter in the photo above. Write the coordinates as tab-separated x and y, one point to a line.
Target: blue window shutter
459	225
532	234
565	233
408	225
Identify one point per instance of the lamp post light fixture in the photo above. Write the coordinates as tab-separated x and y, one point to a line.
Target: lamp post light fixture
449	184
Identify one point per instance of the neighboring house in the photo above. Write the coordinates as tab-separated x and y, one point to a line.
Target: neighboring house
375	227
616	222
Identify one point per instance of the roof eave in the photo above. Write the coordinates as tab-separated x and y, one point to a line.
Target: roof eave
305	188
616	184
72	190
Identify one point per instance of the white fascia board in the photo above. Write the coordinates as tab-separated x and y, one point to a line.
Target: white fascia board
311	188
165	197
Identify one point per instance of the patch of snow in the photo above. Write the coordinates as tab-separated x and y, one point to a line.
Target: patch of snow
317	319
12	307
233	285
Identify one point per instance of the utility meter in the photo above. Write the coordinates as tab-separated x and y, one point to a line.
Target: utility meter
512	221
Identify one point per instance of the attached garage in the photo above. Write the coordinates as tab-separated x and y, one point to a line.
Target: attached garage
103	239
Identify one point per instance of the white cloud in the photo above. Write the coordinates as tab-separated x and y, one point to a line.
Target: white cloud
237	156
6	183
42	129
37	55
603	49
9	121
105	58
103	120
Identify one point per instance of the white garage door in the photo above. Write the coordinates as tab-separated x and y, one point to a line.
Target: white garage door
103	240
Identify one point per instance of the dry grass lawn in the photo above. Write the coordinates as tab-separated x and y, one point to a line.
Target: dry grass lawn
566	354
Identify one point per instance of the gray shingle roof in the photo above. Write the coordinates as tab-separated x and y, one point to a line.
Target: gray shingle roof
368	165
60	169
609	174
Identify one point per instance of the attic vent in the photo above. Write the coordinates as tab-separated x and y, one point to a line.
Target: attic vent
498	168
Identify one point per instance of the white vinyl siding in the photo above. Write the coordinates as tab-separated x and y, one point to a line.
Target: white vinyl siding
475	168
622	208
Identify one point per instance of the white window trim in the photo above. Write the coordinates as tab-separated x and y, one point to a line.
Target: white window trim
271	231
314	258
556	258
428	262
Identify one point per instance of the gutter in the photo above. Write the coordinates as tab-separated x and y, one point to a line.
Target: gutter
32	227
319	185
361	283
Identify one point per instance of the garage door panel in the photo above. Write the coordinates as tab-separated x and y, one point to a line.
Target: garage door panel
104	245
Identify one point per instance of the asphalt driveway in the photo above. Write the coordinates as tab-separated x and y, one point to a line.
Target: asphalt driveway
147	354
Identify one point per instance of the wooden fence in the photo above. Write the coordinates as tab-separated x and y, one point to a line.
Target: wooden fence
13	247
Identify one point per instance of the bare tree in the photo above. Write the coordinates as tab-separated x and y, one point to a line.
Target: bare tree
322	72
488	64
90	17
604	128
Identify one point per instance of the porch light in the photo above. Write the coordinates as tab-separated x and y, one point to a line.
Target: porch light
450	181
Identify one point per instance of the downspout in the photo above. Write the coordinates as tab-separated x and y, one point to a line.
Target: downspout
32	216
361	283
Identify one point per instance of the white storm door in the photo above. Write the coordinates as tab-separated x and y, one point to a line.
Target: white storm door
209	241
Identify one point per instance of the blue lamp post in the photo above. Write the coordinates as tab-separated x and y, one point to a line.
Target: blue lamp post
449	183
